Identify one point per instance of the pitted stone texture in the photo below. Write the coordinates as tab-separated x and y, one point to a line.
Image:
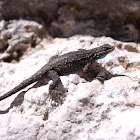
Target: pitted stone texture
91	110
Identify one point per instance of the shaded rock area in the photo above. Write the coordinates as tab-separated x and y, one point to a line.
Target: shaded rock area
16	36
63	18
91	110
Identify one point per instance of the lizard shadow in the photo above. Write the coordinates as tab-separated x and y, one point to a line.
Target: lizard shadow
20	97
97	72
16	102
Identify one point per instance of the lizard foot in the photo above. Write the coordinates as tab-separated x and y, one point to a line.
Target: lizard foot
57	96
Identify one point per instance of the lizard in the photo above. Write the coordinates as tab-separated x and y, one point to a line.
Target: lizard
62	65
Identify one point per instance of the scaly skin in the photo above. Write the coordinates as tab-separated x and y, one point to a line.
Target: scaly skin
64	64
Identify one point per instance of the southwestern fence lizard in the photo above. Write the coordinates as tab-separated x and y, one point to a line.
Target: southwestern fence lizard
62	65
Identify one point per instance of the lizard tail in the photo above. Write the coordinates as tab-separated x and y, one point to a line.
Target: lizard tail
22	85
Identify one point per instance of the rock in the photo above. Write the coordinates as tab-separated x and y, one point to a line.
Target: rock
17	36
91	109
118	19
121	82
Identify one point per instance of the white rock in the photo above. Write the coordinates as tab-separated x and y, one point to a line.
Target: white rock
90	111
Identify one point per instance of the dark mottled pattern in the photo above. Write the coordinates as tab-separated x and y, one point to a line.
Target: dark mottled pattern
64	64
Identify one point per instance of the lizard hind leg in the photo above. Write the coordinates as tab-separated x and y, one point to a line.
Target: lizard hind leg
55	94
87	67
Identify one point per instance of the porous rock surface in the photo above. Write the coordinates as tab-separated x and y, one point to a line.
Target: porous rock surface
16	36
91	110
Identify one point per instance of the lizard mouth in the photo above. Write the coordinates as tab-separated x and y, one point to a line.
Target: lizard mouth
104	50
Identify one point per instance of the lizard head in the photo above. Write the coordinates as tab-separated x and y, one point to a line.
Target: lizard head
103	50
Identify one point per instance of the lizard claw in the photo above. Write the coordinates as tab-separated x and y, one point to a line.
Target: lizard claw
57	96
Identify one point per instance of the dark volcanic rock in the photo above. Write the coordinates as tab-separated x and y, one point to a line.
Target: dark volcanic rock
118	19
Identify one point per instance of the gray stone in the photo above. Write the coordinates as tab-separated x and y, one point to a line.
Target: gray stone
17	36
118	19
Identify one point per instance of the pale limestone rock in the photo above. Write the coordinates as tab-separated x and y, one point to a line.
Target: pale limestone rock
120	82
90	111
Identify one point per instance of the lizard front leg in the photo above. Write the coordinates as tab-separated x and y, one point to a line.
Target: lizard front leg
87	67
55	94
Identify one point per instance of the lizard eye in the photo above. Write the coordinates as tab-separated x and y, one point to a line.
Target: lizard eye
107	47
